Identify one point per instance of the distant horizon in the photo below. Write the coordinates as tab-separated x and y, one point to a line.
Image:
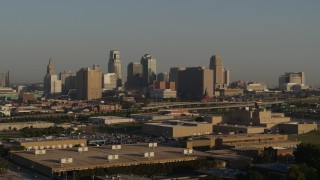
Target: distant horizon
124	73
257	41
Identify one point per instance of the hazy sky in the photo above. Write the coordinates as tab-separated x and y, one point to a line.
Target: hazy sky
257	40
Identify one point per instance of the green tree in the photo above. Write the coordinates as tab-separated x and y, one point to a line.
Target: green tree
4	165
295	173
308	154
212	178
251	175
309	172
301	172
264	158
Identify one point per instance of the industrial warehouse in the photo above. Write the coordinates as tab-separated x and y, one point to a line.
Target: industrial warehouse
52	162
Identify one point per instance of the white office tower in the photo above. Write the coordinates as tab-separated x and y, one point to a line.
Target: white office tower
52	85
109	81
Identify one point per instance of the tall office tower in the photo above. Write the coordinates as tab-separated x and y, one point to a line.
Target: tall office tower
149	65
173	75
109	81
50	68
163	77
114	65
195	82
52	86
89	83
67	81
4	79
218	70
134	76
226	77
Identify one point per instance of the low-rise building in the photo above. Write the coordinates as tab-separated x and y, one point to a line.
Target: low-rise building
257	117
295	128
175	112
151	117
30	110
236	129
164	85
51	143
177	129
231	92
21	125
233	161
239	141
109	120
106	108
163	94
256	87
5	111
280	154
53	162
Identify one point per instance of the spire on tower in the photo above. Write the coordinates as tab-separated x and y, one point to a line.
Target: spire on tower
50	68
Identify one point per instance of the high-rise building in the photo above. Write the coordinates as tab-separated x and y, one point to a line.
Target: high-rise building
173	75
195	82
50	68
89	83
67	81
149	69
114	65
4	79
292	77
163	77
221	76
52	85
289	79
226	77
134	76
109	81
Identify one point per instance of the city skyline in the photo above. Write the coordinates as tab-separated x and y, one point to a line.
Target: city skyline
258	41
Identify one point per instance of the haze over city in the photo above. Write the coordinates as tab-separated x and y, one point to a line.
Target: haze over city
159	90
257	41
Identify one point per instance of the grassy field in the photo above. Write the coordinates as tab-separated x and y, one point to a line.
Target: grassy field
311	137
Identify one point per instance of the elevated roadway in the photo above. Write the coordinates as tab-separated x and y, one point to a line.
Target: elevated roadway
206	105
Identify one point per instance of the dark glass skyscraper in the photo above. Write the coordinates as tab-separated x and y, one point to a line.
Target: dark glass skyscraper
149	64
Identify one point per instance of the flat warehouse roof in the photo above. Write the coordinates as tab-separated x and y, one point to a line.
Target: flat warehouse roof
97	157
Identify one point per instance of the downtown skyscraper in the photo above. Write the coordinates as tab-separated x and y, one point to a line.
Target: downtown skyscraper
52	86
114	65
221	76
149	65
89	83
4	79
134	76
